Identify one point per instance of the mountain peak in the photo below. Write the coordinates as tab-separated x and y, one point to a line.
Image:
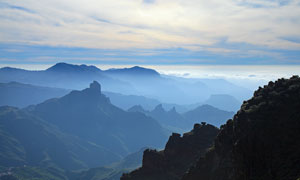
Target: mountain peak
95	86
135	70
159	108
137	108
65	67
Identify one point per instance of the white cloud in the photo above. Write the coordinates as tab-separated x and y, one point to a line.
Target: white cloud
194	24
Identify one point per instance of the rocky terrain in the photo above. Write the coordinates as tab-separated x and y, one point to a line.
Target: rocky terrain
179	154
261	142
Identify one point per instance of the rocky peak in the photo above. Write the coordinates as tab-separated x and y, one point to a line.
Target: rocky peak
137	108
95	86
261	141
179	154
159	108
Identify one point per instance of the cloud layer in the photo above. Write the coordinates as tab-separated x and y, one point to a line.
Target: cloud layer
243	28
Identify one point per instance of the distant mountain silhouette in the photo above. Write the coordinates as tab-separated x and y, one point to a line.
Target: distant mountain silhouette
21	95
209	114
134	71
180	122
25	139
224	101
79	130
63	75
138	108
127	101
70	68
169	118
113	171
179	154
90	115
129	81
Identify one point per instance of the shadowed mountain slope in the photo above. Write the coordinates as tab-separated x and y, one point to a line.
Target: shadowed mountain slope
25	139
179	154
89	114
261	142
22	95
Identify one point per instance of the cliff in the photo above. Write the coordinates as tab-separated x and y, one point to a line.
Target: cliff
179	154
261	142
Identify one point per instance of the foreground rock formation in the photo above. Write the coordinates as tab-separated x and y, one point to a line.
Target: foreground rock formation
179	154
261	142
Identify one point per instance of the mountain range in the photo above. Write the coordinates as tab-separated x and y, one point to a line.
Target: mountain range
127	81
57	133
261	142
181	122
79	130
21	95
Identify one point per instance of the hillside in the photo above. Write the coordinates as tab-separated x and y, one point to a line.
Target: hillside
25	139
179	154
262	140
22	95
89	115
109	172
80	130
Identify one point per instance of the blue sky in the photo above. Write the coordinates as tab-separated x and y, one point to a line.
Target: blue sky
153	32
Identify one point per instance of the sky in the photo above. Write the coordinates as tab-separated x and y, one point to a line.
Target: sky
150	32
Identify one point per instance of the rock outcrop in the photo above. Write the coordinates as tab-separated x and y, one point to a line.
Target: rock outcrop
95	86
179	154
261	142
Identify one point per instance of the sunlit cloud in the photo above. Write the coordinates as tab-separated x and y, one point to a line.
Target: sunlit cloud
195	25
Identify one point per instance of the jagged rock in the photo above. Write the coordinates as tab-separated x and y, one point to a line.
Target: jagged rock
179	154
159	108
95	86
261	142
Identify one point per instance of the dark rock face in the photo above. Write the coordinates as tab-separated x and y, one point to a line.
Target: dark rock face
95	86
179	154
261	142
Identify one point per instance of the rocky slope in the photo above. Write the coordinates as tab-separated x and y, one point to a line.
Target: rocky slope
261	142
179	154
25	139
79	130
89	115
